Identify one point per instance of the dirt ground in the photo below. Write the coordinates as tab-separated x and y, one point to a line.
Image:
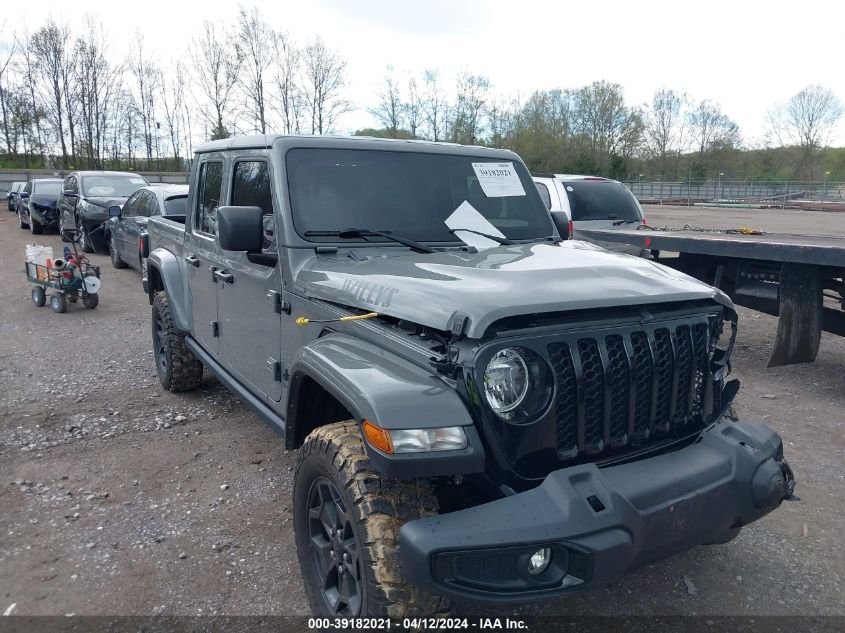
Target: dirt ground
120	498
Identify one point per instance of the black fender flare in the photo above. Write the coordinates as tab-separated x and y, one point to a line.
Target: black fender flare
164	273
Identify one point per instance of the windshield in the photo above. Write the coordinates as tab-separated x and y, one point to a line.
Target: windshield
409	194
114	185
600	200
49	187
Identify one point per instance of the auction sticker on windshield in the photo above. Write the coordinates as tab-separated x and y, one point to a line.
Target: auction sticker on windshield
498	180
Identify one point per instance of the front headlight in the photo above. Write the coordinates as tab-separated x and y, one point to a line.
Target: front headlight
506	380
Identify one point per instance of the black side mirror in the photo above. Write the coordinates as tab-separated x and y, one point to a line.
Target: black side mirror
561	222
24	195
240	229
69	193
114	211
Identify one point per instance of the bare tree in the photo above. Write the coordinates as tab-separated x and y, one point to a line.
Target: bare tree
97	80
664	126
467	123
172	92
216	76
324	72
710	128
51	47
608	125
285	70
435	106
145	73
413	108
254	52
389	110
7	53
807	122
30	79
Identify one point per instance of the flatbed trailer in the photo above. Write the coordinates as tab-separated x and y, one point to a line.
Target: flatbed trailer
798	278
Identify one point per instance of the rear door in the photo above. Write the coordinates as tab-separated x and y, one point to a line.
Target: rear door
249	296
147	205
127	218
201	252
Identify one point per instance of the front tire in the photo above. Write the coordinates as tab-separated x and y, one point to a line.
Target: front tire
21	224
62	226
178	369
115	257
85	242
58	303
347	518
91	301
35	227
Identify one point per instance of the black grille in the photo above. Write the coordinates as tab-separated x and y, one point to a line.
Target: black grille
621	387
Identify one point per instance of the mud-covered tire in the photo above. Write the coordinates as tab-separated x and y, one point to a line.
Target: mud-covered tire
177	367
377	508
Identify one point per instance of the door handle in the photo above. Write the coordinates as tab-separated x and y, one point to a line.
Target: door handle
222	275
193	261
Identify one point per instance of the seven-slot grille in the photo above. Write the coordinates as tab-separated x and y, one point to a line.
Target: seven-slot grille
628	386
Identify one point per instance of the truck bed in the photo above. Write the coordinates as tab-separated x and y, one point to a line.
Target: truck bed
821	250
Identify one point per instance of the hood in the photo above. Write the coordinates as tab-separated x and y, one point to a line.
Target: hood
106	202
435	289
43	200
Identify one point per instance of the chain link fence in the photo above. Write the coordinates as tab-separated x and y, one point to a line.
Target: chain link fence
746	191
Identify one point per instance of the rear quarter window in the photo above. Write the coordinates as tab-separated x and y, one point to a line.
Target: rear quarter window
600	200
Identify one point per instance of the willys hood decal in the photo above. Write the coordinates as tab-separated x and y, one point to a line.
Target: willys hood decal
435	289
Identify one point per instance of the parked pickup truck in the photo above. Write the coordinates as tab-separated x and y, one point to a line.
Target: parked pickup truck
482	410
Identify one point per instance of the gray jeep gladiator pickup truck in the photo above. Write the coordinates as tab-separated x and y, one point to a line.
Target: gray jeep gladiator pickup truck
482	410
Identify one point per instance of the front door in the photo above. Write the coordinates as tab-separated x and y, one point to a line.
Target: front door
250	294
201	253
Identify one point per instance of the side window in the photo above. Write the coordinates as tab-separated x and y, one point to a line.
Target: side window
153	206
146	203
70	184
251	188
544	194
131	206
210	187
28	187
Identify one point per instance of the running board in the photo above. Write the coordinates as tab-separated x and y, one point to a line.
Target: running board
276	422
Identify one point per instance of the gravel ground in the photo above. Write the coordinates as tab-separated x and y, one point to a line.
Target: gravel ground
120	498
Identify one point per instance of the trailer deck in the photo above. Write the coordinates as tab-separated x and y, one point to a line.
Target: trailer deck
786	275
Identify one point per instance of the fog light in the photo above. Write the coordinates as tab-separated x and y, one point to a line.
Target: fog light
539	561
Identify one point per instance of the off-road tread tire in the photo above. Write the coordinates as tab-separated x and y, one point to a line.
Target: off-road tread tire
185	369
381	506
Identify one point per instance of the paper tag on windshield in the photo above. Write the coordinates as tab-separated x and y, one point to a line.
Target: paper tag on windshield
498	180
138	181
467	217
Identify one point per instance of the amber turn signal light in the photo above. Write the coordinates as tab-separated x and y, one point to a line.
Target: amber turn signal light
377	437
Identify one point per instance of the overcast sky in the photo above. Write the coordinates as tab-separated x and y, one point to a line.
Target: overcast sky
746	55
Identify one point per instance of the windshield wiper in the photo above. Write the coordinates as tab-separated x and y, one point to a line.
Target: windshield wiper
495	238
352	233
618	222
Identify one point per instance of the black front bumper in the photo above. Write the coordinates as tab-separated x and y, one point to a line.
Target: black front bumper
599	523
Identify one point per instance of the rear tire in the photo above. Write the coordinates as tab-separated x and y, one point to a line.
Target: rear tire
58	303
342	506
39	297
115	257
178	369
91	301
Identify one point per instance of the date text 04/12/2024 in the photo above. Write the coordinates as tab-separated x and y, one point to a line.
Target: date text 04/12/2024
415	624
